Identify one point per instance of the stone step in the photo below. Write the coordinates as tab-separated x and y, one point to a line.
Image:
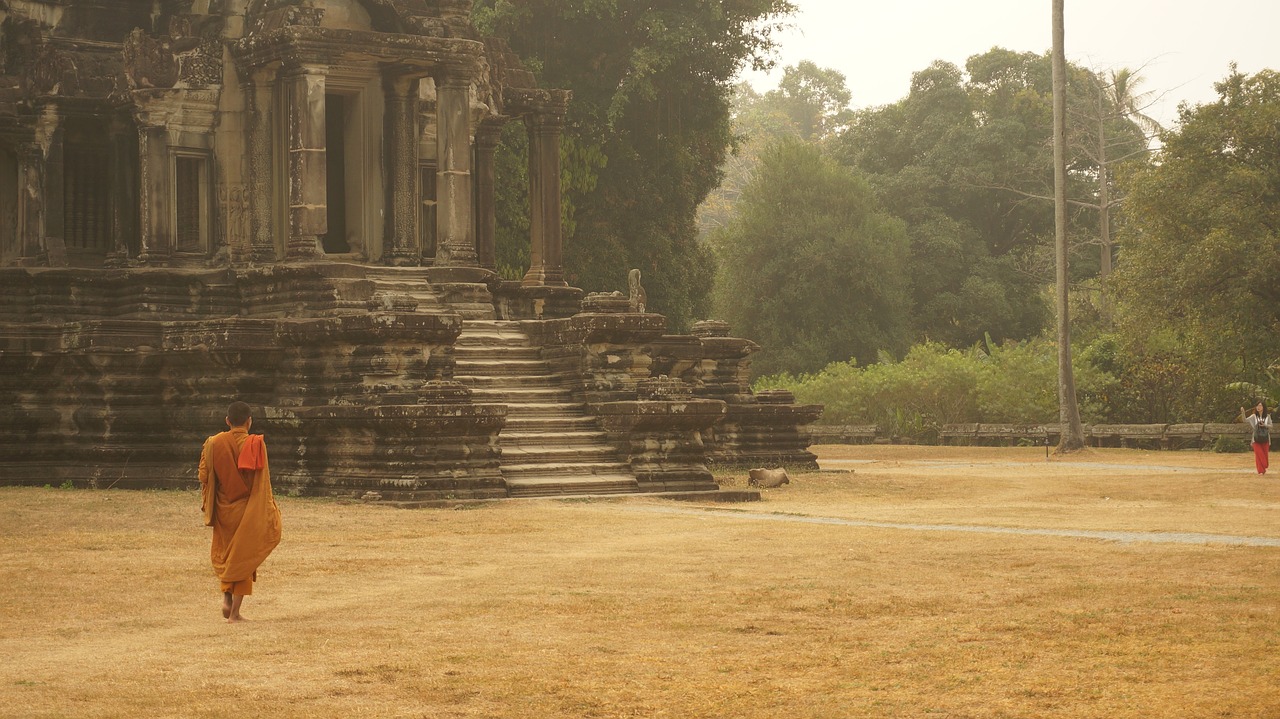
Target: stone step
479	352
528	380
519	395
558	485
541	454
530	423
499	324
538	437
499	367
567	467
546	409
485	330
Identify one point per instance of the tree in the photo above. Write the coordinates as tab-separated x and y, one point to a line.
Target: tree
1202	245
940	159
810	266
1116	131
810	104
648	128
814	99
1072	437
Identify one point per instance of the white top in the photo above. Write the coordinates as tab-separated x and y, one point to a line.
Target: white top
1254	420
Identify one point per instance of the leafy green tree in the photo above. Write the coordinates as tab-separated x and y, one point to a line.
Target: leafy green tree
939	159
1201	257
966	160
810	104
810	267
648	128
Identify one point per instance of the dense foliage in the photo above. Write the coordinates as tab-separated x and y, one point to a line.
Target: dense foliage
965	159
649	130
1199	281
810	266
935	385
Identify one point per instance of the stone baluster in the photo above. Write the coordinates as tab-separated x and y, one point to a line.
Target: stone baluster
402	167
488	134
546	266
455	243
308	183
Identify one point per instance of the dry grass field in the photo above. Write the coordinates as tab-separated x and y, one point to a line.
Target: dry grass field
652	608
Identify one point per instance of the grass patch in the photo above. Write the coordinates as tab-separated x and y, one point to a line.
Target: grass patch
594	609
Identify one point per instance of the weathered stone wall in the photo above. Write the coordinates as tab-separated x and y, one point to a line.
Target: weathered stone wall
122	394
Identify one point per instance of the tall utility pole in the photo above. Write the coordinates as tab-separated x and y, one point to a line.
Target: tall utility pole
1068	409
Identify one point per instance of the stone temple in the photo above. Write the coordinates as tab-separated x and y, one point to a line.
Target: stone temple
291	202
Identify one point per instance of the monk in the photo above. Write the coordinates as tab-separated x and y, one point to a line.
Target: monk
238	504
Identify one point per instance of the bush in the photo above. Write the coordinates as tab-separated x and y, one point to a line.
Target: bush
934	386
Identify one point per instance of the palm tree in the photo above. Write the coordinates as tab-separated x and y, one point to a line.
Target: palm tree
1068	410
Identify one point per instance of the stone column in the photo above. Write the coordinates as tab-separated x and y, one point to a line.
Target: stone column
262	246
308	201
455	233
31	205
155	231
546	266
402	167
488	133
123	193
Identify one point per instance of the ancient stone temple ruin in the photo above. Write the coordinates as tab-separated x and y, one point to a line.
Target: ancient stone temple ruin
291	202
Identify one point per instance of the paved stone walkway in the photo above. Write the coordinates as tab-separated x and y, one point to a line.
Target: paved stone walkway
838	464
1124	537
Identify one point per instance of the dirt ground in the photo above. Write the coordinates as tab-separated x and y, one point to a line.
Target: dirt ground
898	582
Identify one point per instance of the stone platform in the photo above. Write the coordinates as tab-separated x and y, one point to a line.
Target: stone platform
372	382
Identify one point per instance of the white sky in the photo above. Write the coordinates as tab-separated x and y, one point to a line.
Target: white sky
1182	46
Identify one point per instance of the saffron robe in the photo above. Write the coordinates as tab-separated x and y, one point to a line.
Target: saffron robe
239	505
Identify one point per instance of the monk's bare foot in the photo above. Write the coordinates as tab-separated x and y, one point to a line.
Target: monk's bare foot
235	619
226	605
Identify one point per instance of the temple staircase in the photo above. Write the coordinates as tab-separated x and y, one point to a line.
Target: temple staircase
408	282
550	445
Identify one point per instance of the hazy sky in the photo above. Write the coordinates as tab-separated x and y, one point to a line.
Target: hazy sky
1183	46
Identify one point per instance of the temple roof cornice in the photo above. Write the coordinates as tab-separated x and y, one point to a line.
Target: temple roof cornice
320	45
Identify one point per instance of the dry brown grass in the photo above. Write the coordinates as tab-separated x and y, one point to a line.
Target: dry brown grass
641	608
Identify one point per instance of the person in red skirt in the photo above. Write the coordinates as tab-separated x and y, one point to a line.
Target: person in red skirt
1260	421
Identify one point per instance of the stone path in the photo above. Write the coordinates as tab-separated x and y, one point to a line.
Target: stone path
1124	537
839	464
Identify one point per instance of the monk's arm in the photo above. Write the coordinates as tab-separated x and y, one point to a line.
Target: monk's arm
205	471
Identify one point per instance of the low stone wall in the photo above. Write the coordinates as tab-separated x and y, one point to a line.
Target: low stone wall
1151	436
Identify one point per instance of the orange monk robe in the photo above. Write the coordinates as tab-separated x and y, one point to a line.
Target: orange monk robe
238	504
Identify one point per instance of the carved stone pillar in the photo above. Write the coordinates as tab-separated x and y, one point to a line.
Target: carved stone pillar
31	205
155	231
261	191
308	182
546	260
488	133
402	168
455	235
123	193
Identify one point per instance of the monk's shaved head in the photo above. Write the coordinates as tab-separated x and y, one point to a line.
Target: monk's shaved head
238	414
